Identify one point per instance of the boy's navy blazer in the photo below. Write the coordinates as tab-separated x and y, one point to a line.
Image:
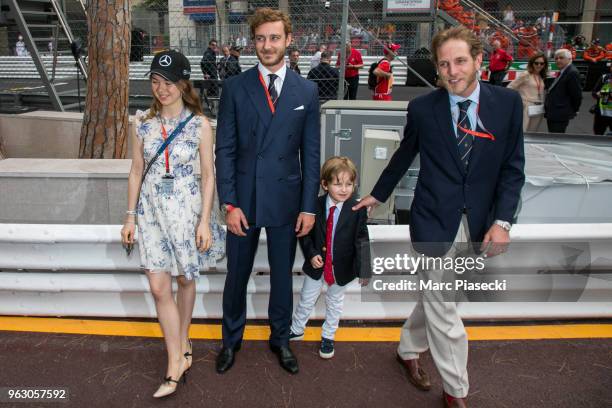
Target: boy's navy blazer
268	164
490	188
351	246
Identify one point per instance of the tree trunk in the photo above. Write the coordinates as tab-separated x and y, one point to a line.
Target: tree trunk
104	133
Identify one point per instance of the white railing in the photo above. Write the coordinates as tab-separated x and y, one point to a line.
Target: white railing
12	67
82	270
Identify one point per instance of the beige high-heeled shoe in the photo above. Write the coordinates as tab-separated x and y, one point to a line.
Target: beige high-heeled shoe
186	364
168	387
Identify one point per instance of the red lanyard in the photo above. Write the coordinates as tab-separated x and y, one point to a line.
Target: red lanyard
166	154
539	86
539	83
263	83
485	135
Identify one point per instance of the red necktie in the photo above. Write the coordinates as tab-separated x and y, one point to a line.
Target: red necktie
328	273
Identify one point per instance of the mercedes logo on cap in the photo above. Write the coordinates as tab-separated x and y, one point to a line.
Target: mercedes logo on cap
165	61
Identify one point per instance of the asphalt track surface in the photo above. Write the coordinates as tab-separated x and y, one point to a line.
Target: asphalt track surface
120	371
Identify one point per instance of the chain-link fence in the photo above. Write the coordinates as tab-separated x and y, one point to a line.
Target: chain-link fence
522	26
317	32
526	27
44	26
188	25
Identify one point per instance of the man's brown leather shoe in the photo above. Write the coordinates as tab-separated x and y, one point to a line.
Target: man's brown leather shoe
453	402
416	375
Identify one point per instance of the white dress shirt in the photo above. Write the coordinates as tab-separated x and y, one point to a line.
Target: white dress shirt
328	204
278	82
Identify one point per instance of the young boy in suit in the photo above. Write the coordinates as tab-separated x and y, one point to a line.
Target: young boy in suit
336	251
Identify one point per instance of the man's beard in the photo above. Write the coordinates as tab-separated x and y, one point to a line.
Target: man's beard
279	57
444	83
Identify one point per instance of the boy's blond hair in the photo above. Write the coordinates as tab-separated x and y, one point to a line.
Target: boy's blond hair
336	165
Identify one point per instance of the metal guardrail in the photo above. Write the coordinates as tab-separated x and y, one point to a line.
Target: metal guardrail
23	67
82	270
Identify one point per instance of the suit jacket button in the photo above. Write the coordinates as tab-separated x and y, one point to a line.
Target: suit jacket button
323	249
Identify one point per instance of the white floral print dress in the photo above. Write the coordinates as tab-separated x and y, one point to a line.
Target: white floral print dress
167	223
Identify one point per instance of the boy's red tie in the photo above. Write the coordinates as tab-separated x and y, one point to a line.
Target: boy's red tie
328	274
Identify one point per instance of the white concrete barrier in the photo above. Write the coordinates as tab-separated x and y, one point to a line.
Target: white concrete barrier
82	270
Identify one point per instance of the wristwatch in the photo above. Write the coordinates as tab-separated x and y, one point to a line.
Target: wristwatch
504	224
226	209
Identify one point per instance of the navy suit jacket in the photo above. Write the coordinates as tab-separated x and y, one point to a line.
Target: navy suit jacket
563	100
351	246
489	189
268	164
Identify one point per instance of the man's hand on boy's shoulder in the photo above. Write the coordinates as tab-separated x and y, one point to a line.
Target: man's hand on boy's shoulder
367	201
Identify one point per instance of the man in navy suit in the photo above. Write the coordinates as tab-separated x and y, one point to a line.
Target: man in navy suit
267	165
564	95
470	140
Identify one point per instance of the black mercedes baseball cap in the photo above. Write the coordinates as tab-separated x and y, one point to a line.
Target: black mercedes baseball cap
170	64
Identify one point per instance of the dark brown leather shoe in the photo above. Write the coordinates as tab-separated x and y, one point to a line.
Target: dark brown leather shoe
453	402
416	375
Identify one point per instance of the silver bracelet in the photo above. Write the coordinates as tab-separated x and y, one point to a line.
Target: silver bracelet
130	212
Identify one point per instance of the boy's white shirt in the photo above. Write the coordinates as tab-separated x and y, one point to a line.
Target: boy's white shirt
328	203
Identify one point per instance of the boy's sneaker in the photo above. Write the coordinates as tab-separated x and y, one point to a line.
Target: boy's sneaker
294	337
327	348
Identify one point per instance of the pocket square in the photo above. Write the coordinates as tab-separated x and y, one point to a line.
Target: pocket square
301	107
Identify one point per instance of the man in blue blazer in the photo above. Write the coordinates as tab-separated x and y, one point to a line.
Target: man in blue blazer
267	165
470	140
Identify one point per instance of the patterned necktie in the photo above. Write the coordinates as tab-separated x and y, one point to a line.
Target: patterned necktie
328	273
272	88
464	140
